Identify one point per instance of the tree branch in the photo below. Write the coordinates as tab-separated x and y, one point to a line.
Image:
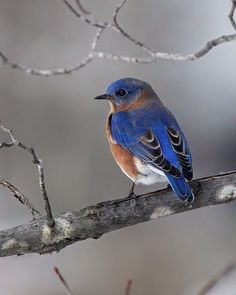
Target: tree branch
152	55
36	161
95	221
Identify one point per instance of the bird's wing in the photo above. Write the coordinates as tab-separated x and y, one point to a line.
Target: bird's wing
180	147
142	141
159	142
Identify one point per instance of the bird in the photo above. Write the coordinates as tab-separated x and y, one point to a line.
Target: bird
145	139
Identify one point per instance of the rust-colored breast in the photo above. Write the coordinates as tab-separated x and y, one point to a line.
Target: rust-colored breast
123	158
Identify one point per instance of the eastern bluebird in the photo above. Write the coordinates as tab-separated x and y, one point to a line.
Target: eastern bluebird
145	138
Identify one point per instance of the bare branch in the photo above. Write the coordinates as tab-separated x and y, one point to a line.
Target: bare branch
171	56
218	277
36	161
62	280
153	55
97	220
125	34
19	196
46	72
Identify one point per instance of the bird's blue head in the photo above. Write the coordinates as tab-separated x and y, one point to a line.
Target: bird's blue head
127	92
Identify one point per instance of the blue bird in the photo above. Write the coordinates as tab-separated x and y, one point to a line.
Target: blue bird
145	139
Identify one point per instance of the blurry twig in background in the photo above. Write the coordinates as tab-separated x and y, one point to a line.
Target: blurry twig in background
128	287
63	281
39	163
69	292
218	277
152	55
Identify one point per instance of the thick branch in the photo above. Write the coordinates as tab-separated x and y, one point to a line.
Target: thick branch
95	221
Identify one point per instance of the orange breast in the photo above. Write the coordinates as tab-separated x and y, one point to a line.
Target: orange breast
123	158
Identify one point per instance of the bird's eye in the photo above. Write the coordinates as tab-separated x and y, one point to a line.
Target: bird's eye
121	92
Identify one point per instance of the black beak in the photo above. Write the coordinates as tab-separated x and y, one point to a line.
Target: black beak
104	96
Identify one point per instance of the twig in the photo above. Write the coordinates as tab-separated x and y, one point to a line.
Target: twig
218	277
128	287
125	34
19	196
95	221
62	280
231	14
36	161
88	20
81	7
152	55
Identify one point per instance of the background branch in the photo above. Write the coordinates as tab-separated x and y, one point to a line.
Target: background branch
63	281
152	55
218	277
94	221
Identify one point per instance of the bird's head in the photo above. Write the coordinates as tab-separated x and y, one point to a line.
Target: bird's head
127	93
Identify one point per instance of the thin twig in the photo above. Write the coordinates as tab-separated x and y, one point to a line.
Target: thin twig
125	34
88	20
128	287
39	163
218	277
19	196
62	280
81	7
231	14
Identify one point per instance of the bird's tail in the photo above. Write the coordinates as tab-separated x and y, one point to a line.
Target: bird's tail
181	188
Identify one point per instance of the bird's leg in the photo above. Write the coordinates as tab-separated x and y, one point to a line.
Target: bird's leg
168	185
130	195
131	192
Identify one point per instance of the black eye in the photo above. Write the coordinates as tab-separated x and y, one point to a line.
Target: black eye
121	92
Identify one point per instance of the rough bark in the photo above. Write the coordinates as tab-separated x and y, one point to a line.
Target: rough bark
95	221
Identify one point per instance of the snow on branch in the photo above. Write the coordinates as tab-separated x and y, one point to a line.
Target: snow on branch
151	55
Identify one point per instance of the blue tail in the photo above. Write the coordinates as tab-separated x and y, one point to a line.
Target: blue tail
181	188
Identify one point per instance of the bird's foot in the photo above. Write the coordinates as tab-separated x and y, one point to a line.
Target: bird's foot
131	192
131	195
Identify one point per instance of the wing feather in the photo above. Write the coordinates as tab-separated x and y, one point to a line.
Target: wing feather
182	152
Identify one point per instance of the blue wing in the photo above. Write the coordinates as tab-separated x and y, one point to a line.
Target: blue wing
157	140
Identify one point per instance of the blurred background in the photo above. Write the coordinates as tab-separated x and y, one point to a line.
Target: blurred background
58	116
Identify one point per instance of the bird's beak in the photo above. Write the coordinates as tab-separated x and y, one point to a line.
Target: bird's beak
104	97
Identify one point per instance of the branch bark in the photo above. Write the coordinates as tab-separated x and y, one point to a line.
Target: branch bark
95	221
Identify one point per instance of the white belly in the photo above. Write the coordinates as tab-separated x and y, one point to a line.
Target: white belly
148	174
